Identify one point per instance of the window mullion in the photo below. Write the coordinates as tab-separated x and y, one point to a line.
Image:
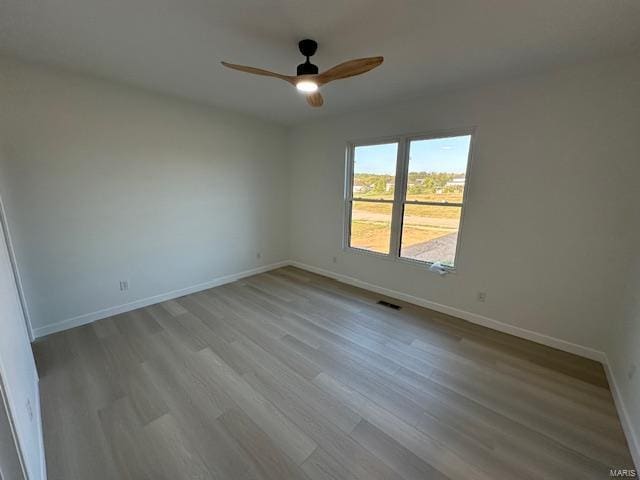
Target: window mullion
399	196
348	195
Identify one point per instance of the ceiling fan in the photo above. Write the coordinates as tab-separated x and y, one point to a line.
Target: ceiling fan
307	79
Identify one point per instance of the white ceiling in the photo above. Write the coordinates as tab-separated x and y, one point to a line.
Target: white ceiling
175	46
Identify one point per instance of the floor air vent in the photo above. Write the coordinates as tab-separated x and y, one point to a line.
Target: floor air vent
389	305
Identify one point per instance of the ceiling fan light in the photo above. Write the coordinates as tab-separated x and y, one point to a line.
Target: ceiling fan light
307	86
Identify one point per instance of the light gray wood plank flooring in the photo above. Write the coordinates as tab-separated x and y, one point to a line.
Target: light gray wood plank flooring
291	375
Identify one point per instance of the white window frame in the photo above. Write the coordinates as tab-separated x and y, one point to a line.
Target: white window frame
400	188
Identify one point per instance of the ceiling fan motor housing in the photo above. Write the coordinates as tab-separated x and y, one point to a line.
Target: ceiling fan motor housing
307	68
307	48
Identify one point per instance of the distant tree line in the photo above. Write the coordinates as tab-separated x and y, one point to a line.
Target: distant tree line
417	182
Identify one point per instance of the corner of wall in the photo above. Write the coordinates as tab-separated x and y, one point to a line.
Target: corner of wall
16	271
625	418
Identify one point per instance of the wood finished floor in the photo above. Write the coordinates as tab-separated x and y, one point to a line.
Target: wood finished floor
291	375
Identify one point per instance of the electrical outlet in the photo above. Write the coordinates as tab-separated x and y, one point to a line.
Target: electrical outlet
124	285
482	296
258	255
29	410
335	259
632	371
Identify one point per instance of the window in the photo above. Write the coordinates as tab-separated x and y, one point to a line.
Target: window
372	188
405	196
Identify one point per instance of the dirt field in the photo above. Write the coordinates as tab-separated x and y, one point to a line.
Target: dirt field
375	235
371	229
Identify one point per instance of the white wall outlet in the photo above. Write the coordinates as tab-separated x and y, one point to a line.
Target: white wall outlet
124	285
335	259
29	410
258	255
482	296
632	371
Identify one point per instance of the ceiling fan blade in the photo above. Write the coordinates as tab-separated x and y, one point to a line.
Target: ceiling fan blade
315	99
259	71
349	69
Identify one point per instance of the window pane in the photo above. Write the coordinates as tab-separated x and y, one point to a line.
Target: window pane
430	233
374	171
437	169
371	226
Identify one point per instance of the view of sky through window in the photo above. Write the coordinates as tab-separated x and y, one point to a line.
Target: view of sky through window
376	159
434	155
446	155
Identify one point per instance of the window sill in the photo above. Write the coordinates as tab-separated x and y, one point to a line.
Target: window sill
407	261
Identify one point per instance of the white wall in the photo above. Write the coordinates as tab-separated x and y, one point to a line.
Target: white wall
10	464
104	182
552	188
18	376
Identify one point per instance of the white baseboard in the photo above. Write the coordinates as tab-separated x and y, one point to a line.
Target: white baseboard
463	314
144	302
625	419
